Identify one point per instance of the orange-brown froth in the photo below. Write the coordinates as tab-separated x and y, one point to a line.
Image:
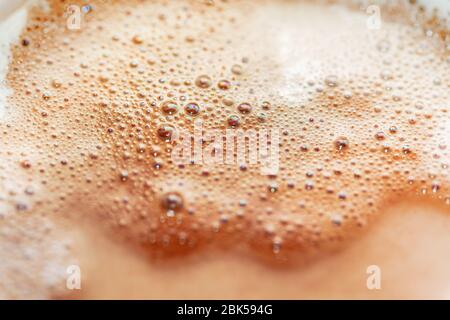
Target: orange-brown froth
362	115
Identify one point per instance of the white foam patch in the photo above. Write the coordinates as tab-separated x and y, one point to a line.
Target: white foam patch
442	7
11	28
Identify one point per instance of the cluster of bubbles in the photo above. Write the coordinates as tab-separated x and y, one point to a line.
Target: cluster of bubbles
100	108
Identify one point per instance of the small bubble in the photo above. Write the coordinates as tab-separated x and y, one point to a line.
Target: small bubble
169	107
165	132
309	185
304	148
224	84
393	129
331	81
435	186
276	245
20	206
406	149
29	190
25	164
123	175
56	84
134	63
262	117
244	108
172	201
137	40
272	187
341	143
103	78
234	121
342	195
347	95
141	148
380	136
228	102
192	109
437	82
158	163
265	105
203	81
336	219
236	69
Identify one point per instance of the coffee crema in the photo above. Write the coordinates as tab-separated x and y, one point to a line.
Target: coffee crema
363	117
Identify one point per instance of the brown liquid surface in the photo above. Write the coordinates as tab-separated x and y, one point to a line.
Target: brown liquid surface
363	119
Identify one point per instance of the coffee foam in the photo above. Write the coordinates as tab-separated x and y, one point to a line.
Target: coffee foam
361	125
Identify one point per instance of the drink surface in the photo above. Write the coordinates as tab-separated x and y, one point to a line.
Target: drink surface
356	114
